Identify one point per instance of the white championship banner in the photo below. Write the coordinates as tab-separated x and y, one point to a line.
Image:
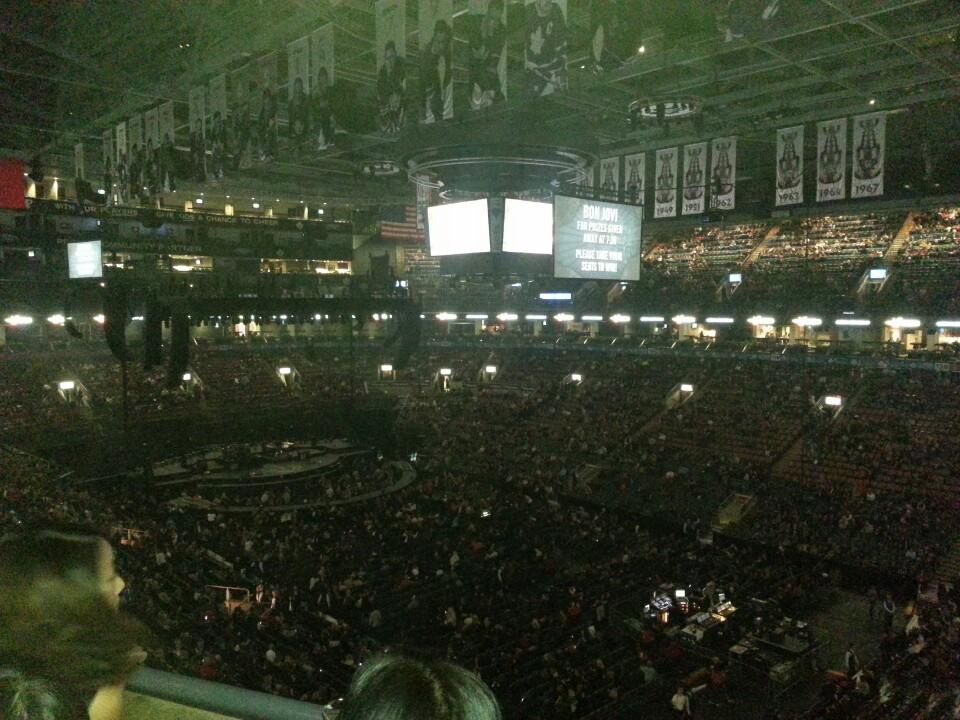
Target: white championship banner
634	172
197	110
665	197
869	155
790	166
723	174
694	179
831	159
609	178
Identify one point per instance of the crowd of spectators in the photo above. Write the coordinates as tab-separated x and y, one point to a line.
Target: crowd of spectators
491	558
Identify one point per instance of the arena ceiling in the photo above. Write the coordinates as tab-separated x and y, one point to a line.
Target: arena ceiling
69	70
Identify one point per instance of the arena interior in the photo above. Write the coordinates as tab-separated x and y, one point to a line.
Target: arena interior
600	347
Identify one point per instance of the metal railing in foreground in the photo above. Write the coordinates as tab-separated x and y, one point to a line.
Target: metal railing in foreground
220	699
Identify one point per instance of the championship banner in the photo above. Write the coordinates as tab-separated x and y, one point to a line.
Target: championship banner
790	166
321	58
723	174
198	111
610	179
634	176
391	33
869	155
831	159
666	184
545	47
166	122
151	128
134	134
435	35
694	179
120	146
79	169
487	59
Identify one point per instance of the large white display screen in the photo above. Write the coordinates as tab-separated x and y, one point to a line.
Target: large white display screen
84	260
596	240
527	227
459	228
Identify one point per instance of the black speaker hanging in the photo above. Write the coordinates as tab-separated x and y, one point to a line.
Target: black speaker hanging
115	321
152	335
179	348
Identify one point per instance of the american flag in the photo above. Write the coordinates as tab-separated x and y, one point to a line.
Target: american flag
400	223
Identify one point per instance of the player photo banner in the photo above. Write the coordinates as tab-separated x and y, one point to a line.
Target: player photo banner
487	58
151	128
831	159
694	179
197	101
869	155
610	179
665	204
79	168
545	47
216	104
391	59
321	58
634	171
790	166
723	174
134	134
120	146
107	158
298	64
435	33
166	124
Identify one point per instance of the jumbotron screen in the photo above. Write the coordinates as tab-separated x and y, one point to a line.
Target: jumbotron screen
459	228
84	260
596	240
527	227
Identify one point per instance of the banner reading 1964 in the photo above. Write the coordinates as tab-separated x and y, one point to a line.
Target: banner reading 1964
869	155
831	159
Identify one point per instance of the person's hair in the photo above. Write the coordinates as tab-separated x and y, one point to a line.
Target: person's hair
393	687
61	639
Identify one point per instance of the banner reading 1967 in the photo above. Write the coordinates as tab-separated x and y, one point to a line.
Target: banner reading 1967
869	155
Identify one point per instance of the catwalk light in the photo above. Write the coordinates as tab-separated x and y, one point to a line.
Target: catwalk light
948	323
507	317
66	385
719	321
563	317
476	316
17	320
446	372
284	370
833	400
652	318
807	321
57	319
592	318
446	316
902	323
535	317
683	319
316	316
852	322
761	320
99	319
618	318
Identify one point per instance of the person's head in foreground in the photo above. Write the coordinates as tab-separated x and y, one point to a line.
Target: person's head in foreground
393	687
65	649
